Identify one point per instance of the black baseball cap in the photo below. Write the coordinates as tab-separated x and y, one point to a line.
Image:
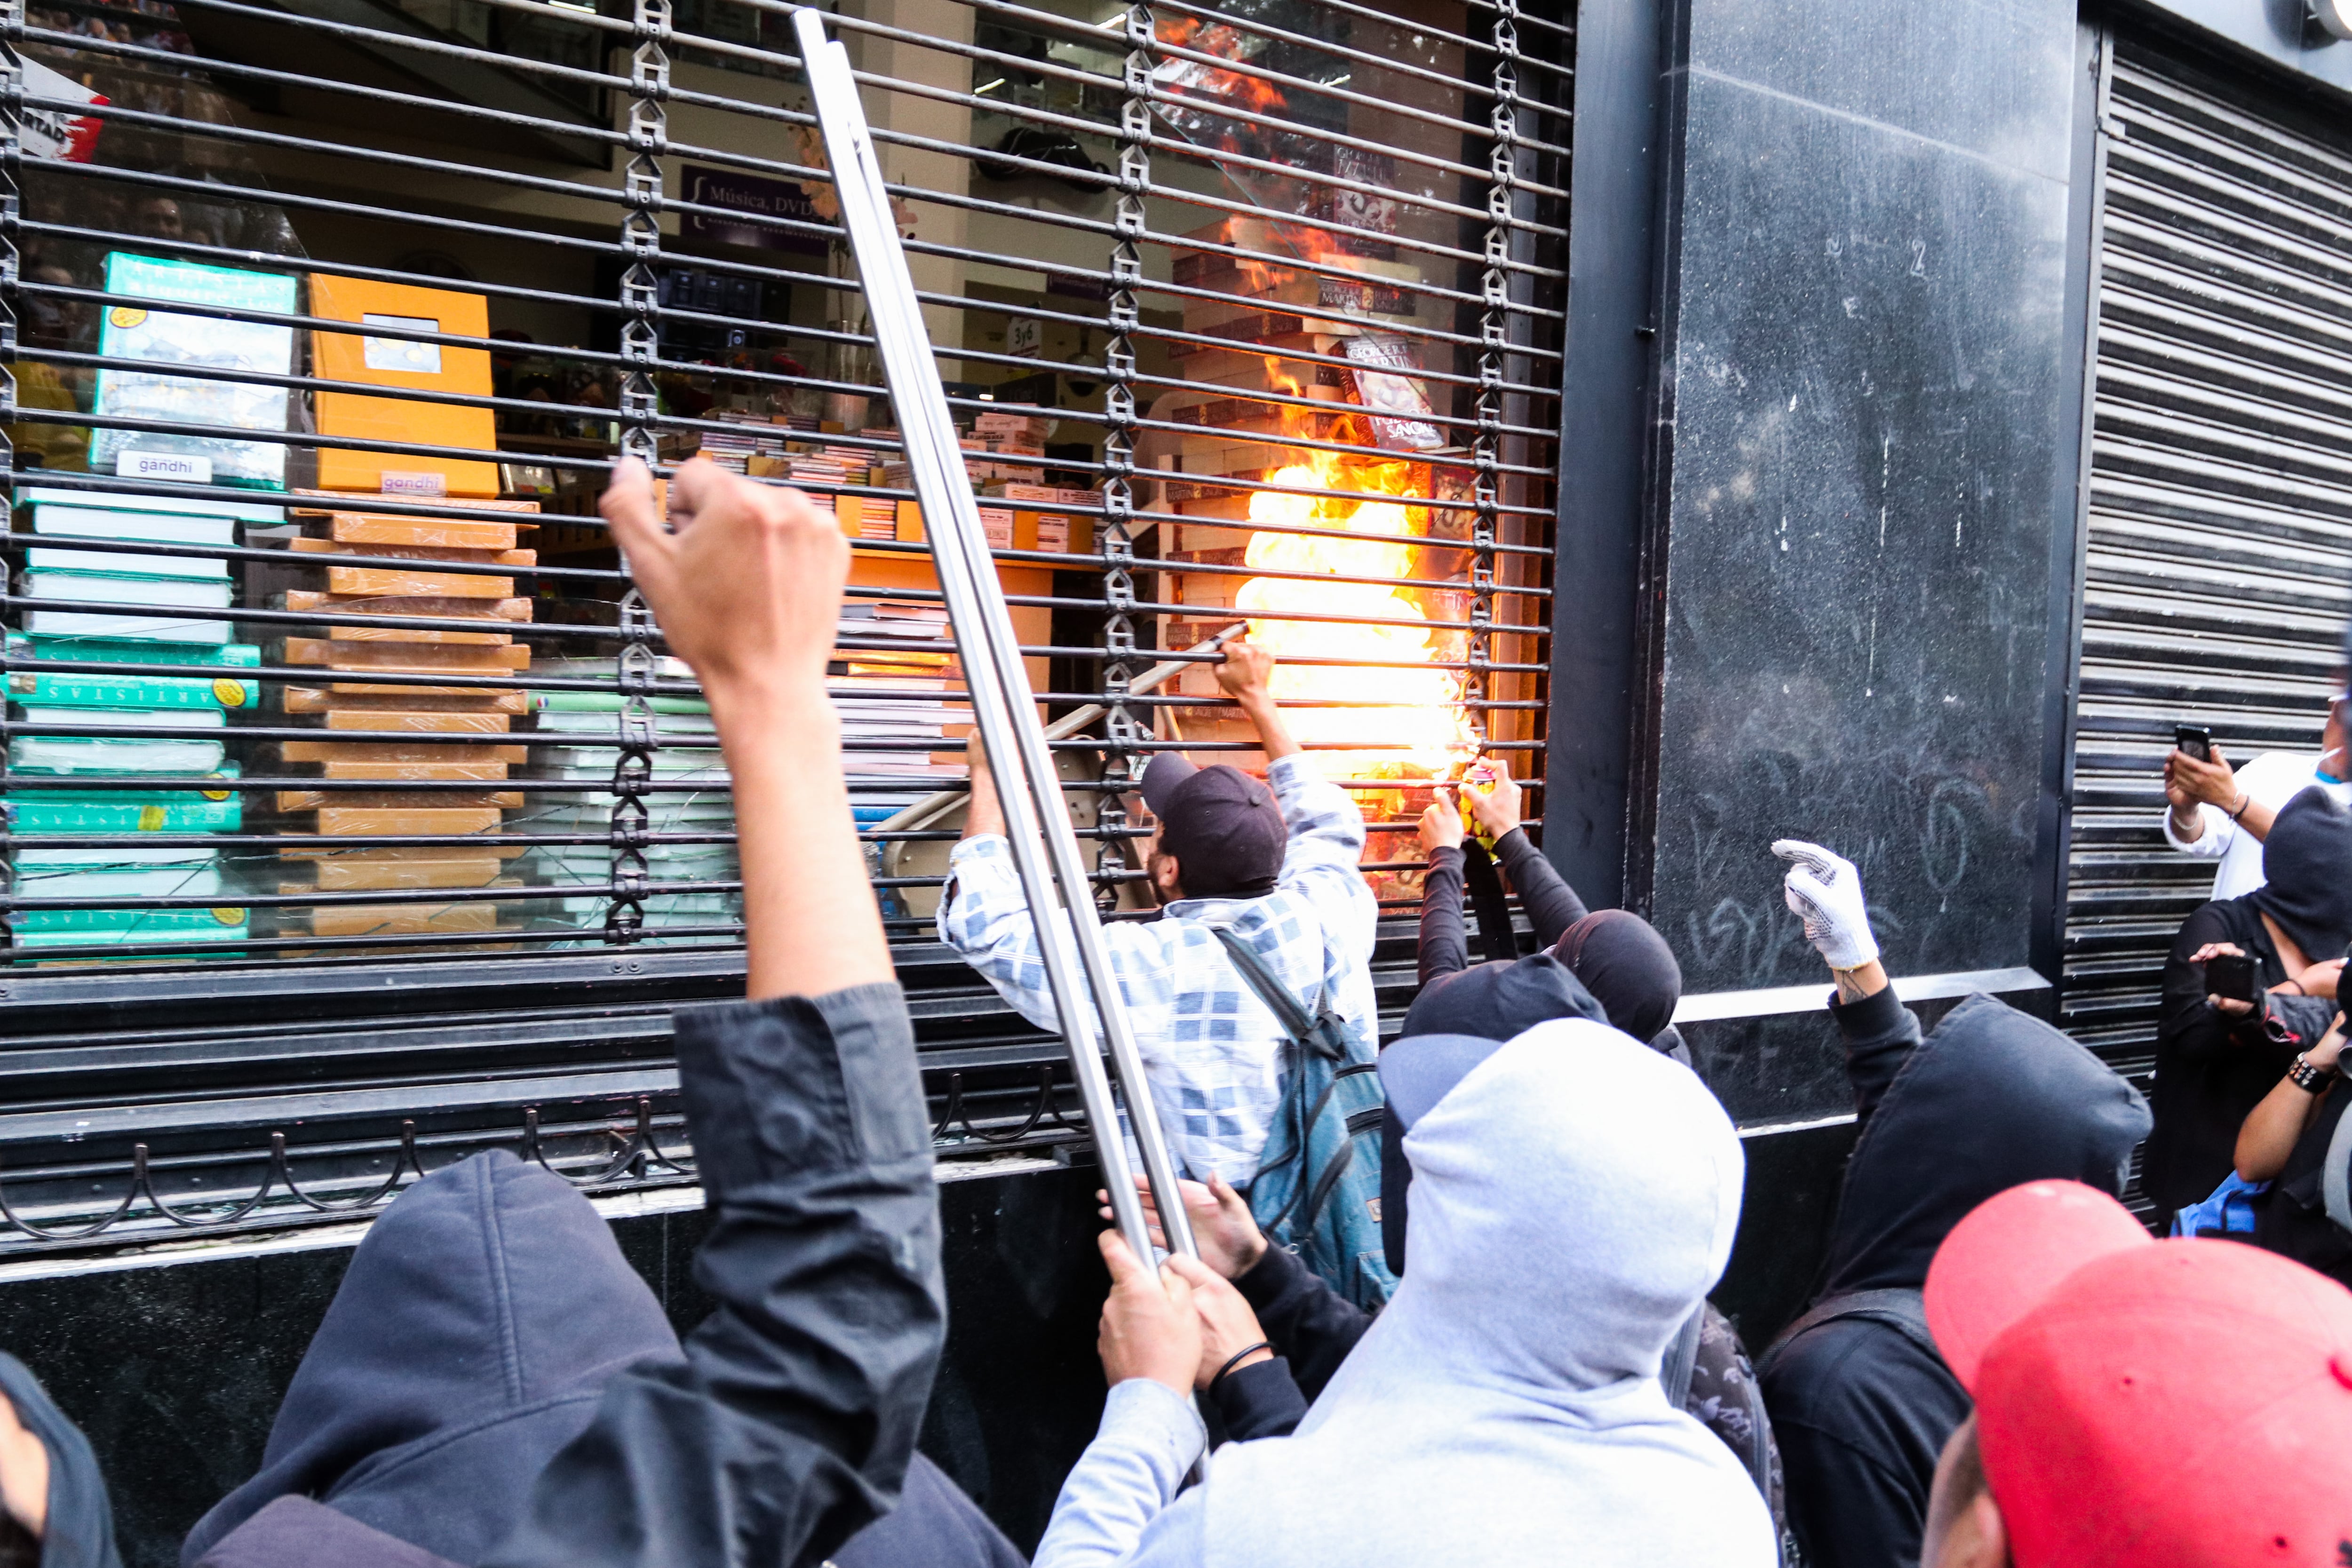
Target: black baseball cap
1222	827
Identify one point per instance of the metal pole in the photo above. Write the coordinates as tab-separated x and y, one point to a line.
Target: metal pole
1037	821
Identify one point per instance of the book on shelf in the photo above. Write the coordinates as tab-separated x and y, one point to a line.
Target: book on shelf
158	335
97	754
123	718
186	882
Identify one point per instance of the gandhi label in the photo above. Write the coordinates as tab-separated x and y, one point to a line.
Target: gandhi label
188	468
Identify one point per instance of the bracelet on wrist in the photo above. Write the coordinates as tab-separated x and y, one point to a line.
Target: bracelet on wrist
1235	1360
2238	810
2308	1076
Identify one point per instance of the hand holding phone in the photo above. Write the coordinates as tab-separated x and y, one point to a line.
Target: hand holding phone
2230	976
2195	741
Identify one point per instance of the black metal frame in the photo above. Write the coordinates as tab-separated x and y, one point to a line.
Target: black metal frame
1604	542
2070	512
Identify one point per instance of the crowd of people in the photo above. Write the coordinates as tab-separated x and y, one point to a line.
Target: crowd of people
1501	1351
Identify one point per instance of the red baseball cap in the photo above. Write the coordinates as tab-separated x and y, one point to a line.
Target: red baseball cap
2166	1404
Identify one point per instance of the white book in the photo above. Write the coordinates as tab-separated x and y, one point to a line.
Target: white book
126	628
145	590
114	564
102	755
120	856
131	718
184	881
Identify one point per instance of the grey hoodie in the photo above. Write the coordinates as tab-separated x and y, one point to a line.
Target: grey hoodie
1574	1198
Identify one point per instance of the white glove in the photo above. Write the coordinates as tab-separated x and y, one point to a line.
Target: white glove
1824	891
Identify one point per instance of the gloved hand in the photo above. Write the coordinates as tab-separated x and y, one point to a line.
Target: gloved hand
1824	891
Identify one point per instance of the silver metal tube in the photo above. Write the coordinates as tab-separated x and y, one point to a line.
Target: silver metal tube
1038	822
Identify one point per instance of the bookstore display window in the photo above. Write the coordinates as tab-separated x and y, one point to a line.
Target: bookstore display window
326	333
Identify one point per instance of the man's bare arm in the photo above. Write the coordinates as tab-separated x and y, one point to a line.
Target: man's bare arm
748	591
985	814
1244	676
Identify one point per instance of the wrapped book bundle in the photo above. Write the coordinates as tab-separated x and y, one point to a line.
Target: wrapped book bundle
455	726
149	620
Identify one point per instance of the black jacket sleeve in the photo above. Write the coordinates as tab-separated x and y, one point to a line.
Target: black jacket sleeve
1880	1034
1444	947
1306	1321
791	1418
1261	1401
2185	1025
1551	904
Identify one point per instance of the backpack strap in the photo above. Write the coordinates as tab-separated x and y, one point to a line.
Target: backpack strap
1904	1312
1276	996
1682	1358
2335	1170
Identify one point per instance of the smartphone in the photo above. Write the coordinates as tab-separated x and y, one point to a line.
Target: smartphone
2195	740
2230	976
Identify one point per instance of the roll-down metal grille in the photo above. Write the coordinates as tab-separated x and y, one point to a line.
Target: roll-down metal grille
357	815
2221	506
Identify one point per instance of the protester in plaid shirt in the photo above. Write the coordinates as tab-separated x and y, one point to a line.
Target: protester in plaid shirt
1278	870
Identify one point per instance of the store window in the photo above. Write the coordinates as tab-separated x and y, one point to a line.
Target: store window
328	332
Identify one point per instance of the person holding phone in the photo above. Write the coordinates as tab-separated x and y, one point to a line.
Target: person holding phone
2251	981
2216	812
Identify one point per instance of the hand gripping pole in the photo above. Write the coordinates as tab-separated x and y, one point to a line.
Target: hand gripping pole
1004	709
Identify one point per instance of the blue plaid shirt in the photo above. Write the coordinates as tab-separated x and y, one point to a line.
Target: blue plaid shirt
1211	1050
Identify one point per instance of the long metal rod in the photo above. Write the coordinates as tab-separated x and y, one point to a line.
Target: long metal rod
935	805
1037	820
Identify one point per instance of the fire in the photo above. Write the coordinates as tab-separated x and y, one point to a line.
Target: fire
1412	720
1249	94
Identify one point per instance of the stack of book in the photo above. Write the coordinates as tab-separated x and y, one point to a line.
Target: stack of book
158	592
891	693
692	798
453	724
756	440
1040	528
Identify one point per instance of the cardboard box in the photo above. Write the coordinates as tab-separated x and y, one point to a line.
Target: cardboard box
397	362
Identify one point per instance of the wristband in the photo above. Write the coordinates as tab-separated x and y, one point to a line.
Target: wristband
1235	1360
2244	800
2308	1076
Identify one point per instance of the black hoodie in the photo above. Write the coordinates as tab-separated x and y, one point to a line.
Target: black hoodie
1991	1099
494	1385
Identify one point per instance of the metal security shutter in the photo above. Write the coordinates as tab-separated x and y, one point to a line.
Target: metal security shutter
2220	502
357	818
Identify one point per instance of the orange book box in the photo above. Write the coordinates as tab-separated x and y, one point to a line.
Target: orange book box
398	361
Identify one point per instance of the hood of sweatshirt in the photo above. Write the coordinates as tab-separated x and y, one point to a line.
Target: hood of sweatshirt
1501	999
1575	1197
80	1529
470	1338
1990	1099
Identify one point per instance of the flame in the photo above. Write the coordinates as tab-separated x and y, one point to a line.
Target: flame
1249	94
1413	722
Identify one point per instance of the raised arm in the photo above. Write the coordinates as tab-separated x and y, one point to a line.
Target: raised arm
1551	904
1824	891
791	1420
1242	674
1444	945
2190	785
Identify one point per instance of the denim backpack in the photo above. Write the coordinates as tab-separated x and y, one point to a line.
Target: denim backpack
1317	1187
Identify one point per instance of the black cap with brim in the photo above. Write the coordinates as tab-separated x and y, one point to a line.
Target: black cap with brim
1224	826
